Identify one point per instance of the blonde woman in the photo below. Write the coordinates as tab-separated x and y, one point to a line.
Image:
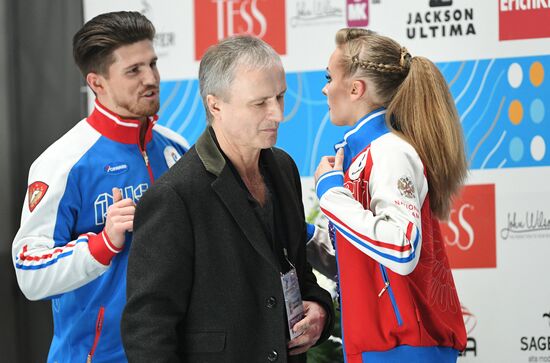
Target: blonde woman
394	175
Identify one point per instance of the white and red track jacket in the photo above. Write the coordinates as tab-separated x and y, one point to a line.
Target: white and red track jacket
397	292
60	252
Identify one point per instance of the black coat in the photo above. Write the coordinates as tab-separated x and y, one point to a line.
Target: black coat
203	282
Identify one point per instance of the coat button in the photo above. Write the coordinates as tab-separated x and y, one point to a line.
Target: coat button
272	356
270	302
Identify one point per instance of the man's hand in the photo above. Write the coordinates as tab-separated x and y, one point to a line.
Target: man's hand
311	326
330	163
120	218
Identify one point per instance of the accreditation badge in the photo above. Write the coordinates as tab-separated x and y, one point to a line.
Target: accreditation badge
293	300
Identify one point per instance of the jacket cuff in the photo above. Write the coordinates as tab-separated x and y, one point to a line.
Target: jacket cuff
101	248
329	180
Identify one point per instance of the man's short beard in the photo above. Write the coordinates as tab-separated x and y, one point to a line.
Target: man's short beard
150	109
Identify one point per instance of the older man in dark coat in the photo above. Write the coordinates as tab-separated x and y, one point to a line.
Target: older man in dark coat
214	235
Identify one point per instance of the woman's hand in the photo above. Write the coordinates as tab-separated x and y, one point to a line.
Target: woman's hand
330	163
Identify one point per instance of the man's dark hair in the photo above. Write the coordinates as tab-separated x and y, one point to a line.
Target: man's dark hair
95	42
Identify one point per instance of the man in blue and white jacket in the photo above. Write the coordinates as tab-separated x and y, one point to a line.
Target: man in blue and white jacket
77	219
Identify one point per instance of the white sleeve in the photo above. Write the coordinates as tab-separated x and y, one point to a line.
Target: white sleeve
48	260
390	231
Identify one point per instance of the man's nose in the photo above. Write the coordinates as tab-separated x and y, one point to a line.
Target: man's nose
277	112
151	77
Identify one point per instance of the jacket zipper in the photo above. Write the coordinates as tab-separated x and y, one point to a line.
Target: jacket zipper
145	157
387	288
98	328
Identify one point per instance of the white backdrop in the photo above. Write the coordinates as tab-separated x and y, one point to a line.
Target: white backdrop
494	54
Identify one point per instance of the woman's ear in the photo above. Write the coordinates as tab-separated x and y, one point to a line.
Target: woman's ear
358	89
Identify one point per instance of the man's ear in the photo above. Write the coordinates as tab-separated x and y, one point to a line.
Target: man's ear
358	89
95	81
213	104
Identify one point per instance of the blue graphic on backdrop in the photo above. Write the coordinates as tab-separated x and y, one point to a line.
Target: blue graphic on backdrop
501	103
181	108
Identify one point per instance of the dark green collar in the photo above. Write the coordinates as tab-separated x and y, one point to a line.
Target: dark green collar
209	152
213	157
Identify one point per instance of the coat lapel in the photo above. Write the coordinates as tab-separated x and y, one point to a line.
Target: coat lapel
234	197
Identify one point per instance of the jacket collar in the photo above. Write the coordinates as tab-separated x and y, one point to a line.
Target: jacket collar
362	134
209	152
110	125
229	190
212	157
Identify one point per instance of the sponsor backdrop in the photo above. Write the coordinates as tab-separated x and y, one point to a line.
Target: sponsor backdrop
495	55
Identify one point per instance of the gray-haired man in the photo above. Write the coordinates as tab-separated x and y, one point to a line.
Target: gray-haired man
217	270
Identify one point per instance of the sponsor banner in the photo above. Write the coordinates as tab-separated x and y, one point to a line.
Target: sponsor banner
311	26
522	214
444	30
523	219
357	13
302	31
218	19
469	234
513	294
523	19
530	223
535	342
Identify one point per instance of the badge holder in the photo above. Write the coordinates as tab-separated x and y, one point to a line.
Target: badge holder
293	298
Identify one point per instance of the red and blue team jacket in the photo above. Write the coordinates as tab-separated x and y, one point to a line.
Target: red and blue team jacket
60	251
398	298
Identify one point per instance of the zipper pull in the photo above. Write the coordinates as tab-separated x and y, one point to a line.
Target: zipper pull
386	285
145	157
89	359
